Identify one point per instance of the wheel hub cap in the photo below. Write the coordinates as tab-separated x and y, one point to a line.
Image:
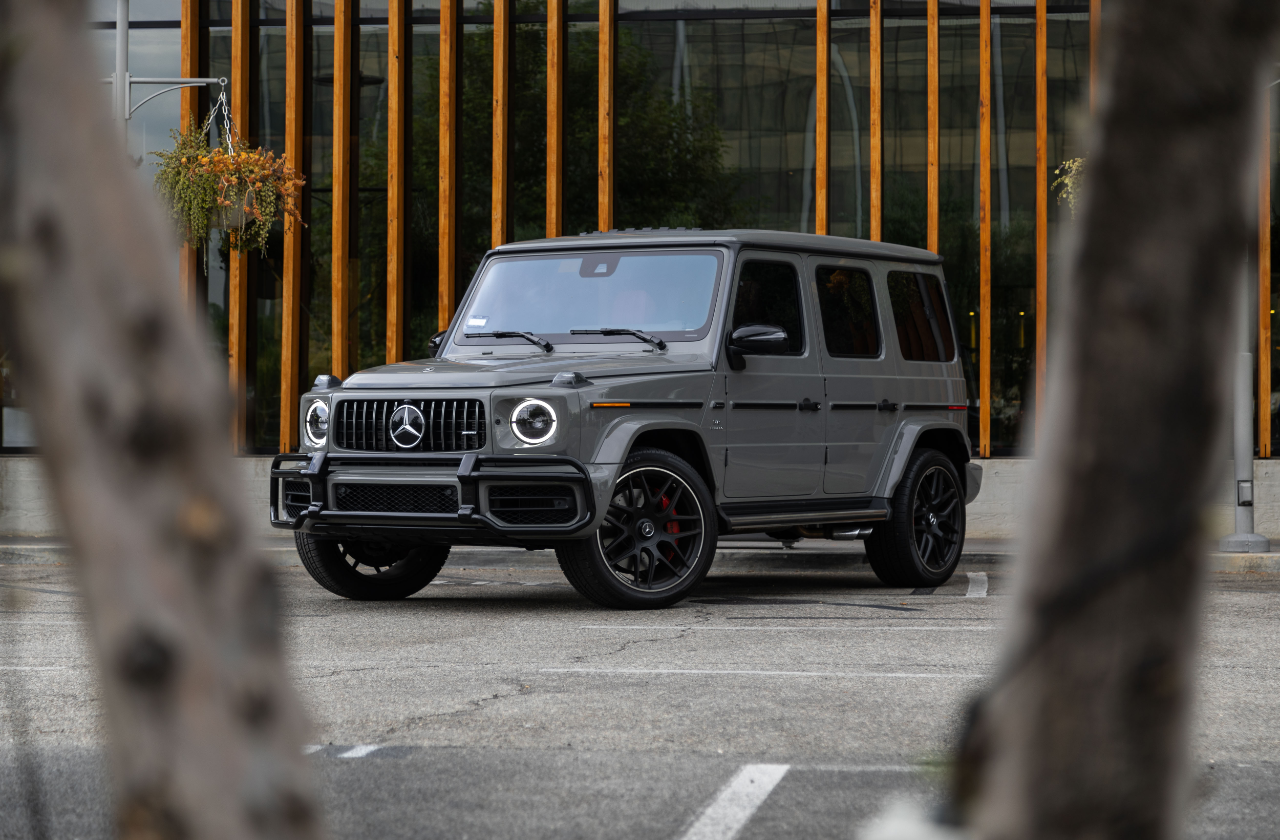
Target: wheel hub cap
646	528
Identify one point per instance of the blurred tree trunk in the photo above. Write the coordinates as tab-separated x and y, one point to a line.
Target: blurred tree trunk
1084	733
131	419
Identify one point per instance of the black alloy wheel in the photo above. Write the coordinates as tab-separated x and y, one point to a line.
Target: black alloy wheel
370	570
657	540
937	518
652	531
920	545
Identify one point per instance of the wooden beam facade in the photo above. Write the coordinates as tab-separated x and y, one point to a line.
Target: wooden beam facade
984	229
340	251
450	92
1264	286
874	127
557	43
398	61
822	122
1042	207
291	293
931	180
500	216
605	131
238	275
189	110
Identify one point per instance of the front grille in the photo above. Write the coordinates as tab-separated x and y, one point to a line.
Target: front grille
396	498
451	425
525	504
297	497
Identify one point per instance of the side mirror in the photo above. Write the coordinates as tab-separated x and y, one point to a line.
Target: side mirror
433	343
756	340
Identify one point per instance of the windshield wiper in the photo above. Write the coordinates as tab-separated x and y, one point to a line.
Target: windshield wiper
527	336
645	337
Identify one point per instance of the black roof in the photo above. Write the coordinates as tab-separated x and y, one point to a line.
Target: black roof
840	245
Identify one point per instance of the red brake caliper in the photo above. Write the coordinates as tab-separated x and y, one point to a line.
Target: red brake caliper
672	527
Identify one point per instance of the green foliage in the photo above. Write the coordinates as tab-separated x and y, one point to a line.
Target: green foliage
241	189
1071	181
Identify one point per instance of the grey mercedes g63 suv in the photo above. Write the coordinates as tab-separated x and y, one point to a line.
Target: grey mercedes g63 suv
627	398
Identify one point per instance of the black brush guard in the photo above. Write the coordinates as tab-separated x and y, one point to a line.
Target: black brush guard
471	469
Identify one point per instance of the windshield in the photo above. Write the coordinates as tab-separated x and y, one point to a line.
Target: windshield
666	294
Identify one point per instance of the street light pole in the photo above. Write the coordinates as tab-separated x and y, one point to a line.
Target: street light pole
121	91
1244	540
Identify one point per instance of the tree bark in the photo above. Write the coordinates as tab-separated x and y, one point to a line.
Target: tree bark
132	424
1084	732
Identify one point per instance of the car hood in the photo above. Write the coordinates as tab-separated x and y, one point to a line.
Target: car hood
498	372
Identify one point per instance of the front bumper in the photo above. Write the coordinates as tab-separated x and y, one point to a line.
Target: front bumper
467	523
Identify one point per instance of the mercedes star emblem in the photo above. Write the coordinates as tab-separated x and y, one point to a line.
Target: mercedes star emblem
407	426
427	370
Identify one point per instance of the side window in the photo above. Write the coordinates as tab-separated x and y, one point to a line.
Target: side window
921	317
849	323
769	293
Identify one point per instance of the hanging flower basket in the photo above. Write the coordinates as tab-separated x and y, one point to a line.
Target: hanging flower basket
231	187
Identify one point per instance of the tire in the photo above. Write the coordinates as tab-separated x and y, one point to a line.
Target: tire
646	555
365	570
913	549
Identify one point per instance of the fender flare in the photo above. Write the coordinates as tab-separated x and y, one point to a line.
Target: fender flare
904	446
619	437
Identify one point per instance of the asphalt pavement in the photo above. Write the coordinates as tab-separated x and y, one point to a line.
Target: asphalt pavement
791	696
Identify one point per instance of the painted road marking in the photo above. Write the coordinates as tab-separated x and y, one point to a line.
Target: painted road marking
977	585
681	672
824	627
312	748
360	751
736	802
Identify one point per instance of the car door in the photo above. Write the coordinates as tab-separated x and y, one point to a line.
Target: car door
857	372
774	425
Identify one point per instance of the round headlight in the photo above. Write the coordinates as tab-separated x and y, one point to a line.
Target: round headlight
317	424
533	421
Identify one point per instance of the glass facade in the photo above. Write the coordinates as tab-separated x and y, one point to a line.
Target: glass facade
716	113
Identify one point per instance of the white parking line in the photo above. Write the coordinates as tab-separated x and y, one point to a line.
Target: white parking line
312	748
681	672
752	628
360	751
977	585
733	806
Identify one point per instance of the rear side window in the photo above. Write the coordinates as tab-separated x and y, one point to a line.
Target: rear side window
769	293
921	317
849	323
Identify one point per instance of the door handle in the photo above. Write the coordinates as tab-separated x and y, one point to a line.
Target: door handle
885	405
809	405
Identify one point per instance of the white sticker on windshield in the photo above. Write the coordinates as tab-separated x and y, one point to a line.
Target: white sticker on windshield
477	322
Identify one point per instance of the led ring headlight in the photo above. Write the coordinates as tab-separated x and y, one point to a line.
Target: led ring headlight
317	423
534	422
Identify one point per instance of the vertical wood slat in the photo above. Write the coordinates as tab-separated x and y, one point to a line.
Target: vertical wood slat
291	304
188	257
397	173
500	221
238	276
984	229
877	90
1095	44
450	44
822	123
1264	286
557	35
604	173
1042	208
932	176
340	250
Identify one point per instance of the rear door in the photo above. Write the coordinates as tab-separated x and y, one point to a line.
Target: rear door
858	374
775	430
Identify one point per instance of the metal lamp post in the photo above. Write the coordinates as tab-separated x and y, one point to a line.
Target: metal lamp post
122	82
1244	540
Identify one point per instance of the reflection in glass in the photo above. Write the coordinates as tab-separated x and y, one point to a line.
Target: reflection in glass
743	87
1013	252
368	275
850	142
317	240
424	170
906	131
